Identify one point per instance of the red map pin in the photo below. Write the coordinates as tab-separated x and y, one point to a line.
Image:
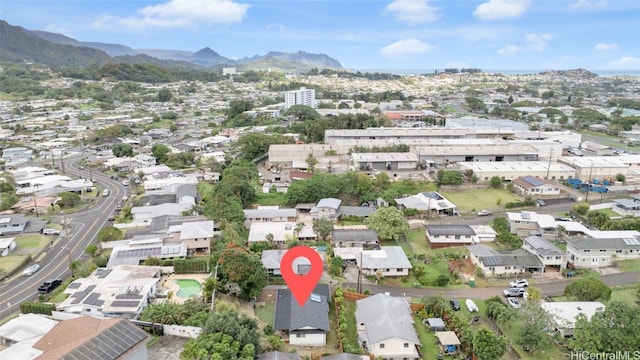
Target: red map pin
301	285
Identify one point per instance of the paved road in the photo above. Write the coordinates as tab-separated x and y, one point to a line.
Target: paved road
551	288
82	230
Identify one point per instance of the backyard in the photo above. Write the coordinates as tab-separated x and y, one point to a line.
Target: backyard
470	201
11	263
31	242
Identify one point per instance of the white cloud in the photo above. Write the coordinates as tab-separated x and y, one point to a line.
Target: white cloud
509	50
537	42
587	4
413	10
533	42
179	13
605	47
501	9
407	46
276	26
625	63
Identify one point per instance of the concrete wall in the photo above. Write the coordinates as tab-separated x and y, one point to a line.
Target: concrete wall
182	331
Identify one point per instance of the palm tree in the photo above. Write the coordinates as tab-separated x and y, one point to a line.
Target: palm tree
298	228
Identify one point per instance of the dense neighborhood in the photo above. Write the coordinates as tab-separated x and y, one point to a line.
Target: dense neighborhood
493	185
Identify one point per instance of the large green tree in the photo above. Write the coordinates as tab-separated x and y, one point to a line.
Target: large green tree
254	145
389	223
69	199
487	345
588	289
615	328
160	152
533	322
302	112
239	268
122	150
224	210
322	228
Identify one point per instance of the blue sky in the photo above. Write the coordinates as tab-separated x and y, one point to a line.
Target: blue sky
362	34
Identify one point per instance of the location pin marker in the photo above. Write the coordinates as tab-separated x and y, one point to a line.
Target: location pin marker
301	286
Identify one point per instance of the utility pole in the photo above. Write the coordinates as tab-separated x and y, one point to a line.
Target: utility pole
589	184
549	165
62	161
360	275
35	203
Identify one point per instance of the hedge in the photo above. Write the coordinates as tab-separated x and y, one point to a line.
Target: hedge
36	308
185	266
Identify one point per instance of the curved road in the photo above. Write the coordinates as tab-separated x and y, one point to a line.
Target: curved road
82	227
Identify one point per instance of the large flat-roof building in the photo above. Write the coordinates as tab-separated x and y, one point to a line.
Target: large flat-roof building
331	136
588	168
509	170
303	96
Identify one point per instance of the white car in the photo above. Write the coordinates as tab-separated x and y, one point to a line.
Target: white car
514	303
484	213
519	283
125	182
31	270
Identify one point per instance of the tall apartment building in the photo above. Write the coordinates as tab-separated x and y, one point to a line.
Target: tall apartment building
303	96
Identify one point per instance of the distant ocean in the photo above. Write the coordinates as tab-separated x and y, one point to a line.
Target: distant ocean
608	73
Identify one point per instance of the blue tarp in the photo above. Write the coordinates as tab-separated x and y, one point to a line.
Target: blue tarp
451	349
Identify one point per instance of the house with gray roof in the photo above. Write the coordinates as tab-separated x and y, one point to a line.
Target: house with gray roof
279	355
504	262
626	207
529	223
345	356
440	236
326	208
385	327
13	224
271	261
387	261
549	254
345	238
599	252
303	326
431	201
356	211
269	214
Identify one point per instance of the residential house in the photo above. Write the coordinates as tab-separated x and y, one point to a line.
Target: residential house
88	337
16	155
306	325
172	193
6	245
565	314
12	224
326	208
388	261
504	262
120	292
196	235
440	236
345	356
271	261
600	252
385	327
18	335
344	238
549	254
535	186
626	207
530	223
428	202
279	232
145	160
139	248
145	214
279	355
268	214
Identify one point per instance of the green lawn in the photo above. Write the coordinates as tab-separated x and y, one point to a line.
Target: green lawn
352	335
11	263
627	294
430	348
418	239
610	213
32	241
266	312
332	335
471	201
628	265
270	199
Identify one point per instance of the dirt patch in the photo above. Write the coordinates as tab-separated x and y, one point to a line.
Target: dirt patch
463	266
268	295
167	348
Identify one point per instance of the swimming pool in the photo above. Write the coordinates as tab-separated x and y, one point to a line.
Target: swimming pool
188	288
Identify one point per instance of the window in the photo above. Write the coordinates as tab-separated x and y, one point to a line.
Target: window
618	251
603	250
382	346
387	270
587	250
406	345
300	335
457	237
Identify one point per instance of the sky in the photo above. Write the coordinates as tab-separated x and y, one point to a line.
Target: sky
362	34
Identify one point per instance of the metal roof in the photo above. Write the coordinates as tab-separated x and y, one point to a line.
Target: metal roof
439	230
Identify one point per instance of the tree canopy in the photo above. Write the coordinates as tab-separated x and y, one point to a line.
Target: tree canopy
389	223
588	289
615	328
487	345
240	267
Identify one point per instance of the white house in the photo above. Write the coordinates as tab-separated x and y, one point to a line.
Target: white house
145	160
626	207
346	238
439	236
528	223
305	325
271	261
535	186
548	253
385	327
565	314
509	262
326	208
6	245
16	155
269	214
388	261
599	252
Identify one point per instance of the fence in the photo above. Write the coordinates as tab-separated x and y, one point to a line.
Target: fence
350	295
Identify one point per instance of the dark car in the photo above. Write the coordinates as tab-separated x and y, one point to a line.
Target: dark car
49	285
455	305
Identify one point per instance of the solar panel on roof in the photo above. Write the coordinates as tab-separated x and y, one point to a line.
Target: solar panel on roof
525	216
533	181
316	298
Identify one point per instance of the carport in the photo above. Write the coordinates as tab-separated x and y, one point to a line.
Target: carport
449	341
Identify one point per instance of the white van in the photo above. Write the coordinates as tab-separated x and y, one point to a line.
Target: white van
105	192
49	231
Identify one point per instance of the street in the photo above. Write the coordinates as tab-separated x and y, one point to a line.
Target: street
83	228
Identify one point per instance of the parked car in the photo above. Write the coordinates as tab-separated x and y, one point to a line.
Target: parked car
519	283
513	292
484	213
455	304
49	231
31	270
514	303
49	285
541	202
125	182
